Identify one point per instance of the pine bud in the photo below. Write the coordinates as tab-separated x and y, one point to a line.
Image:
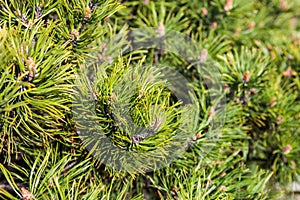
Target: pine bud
51	184
204	11
94	95
113	97
88	13
33	42
24	19
141	93
108	59
251	25
211	112
146	2
284	5
214	25
155	124
289	72
219	135
74	35
287	149
208	183
273	102
32	69
228	5
107	19
103	46
38	12
223	174
253	91
99	57
26	194
279	120
161	29
246	77
198	135
237	100
175	189
203	55
22	52
223	188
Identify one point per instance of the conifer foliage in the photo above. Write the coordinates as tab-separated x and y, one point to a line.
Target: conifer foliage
141	99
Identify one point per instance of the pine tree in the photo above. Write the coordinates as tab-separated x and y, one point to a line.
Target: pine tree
148	99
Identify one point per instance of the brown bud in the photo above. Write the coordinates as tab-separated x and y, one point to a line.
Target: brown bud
51	184
174	189
99	57
88	13
22	50
284	5
103	46
38	11
214	25
208	183
24	19
94	95
246	77
253	91
279	120
273	102
31	63
108	59
223	188
141	93
251	25
289	72
161	29
211	112
198	135
113	97
287	149
228	5
74	35
237	100
203	55
219	135
223	174
107	19
158	121
26	194
32	69
204	11
146	2
36	15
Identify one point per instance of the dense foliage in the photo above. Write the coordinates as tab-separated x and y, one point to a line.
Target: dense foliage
70	70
